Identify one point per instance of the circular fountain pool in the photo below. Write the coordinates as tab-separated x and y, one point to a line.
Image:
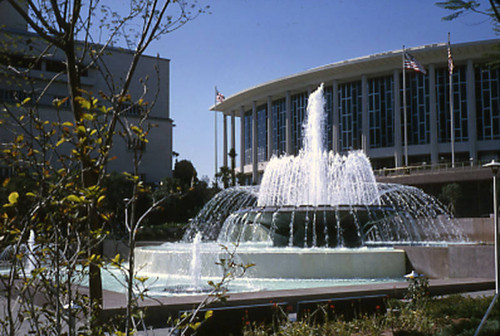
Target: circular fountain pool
311	219
275	268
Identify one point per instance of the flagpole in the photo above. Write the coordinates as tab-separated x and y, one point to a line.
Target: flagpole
215	136
452	122
404	110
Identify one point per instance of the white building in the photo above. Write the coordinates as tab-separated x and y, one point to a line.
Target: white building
364	105
20	46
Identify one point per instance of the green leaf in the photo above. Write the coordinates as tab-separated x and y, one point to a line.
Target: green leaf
195	326
88	116
73	198
116	259
141	278
62	140
100	199
13	196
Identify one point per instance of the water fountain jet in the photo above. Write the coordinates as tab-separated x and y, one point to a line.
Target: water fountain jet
312	217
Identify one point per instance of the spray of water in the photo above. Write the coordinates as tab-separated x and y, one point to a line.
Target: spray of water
324	198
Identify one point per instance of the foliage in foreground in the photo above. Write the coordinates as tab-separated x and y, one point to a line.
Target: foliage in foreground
54	211
454	315
416	315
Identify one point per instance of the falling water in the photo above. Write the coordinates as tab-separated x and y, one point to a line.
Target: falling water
316	176
195	269
30	256
322	198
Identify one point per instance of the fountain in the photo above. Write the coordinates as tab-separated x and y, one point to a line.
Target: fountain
316	215
29	262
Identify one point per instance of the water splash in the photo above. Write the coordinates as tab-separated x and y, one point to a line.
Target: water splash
195	269
322	198
316	176
211	217
29	264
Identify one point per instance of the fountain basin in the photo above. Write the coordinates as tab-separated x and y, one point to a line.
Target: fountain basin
270	262
306	226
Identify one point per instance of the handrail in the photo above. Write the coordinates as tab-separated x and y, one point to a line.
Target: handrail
426	167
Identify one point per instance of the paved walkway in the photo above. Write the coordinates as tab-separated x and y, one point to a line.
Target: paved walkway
158	309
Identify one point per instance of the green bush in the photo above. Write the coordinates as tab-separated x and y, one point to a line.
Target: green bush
454	315
457	306
162	232
468	327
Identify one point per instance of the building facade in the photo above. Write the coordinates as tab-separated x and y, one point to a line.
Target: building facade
20	48
365	109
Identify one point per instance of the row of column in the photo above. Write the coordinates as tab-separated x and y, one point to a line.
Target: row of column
398	149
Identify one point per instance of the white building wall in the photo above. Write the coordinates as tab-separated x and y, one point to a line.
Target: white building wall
154	72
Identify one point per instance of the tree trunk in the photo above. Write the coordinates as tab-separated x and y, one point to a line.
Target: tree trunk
89	178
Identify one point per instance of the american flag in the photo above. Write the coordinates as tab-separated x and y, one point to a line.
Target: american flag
412	63
220	97
450	60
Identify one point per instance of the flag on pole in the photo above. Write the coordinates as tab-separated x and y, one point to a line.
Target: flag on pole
220	97
412	63
450	60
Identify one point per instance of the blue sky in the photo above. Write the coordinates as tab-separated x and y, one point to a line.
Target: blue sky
243	43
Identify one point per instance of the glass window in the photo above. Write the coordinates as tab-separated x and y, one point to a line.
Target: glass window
381	112
248	137
417	107
279	126
262	133
350	114
298	109
459	104
487	103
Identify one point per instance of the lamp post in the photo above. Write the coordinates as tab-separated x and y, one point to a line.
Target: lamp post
494	166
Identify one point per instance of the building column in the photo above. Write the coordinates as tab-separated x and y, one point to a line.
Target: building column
365	118
270	143
471	112
433	115
336	118
255	148
224	139
288	133
233	130
242	138
232	150
397	122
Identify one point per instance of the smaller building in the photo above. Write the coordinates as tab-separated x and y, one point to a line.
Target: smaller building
20	48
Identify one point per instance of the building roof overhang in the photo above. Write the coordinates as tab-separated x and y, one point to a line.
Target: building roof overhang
348	70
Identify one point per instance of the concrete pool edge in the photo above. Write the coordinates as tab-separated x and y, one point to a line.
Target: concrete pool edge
282	262
159	309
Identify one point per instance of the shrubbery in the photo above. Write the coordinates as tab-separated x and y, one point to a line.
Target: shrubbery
452	315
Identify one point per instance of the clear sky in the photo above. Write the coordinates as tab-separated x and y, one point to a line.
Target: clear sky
243	43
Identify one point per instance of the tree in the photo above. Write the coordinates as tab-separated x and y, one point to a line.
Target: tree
224	175
185	172
461	7
242	178
232	154
71	183
450	194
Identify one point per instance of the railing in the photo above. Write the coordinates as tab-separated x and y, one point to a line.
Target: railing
426	168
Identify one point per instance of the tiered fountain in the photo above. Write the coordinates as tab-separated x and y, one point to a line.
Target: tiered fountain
314	216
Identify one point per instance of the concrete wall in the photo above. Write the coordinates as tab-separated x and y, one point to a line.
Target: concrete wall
477	229
453	261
